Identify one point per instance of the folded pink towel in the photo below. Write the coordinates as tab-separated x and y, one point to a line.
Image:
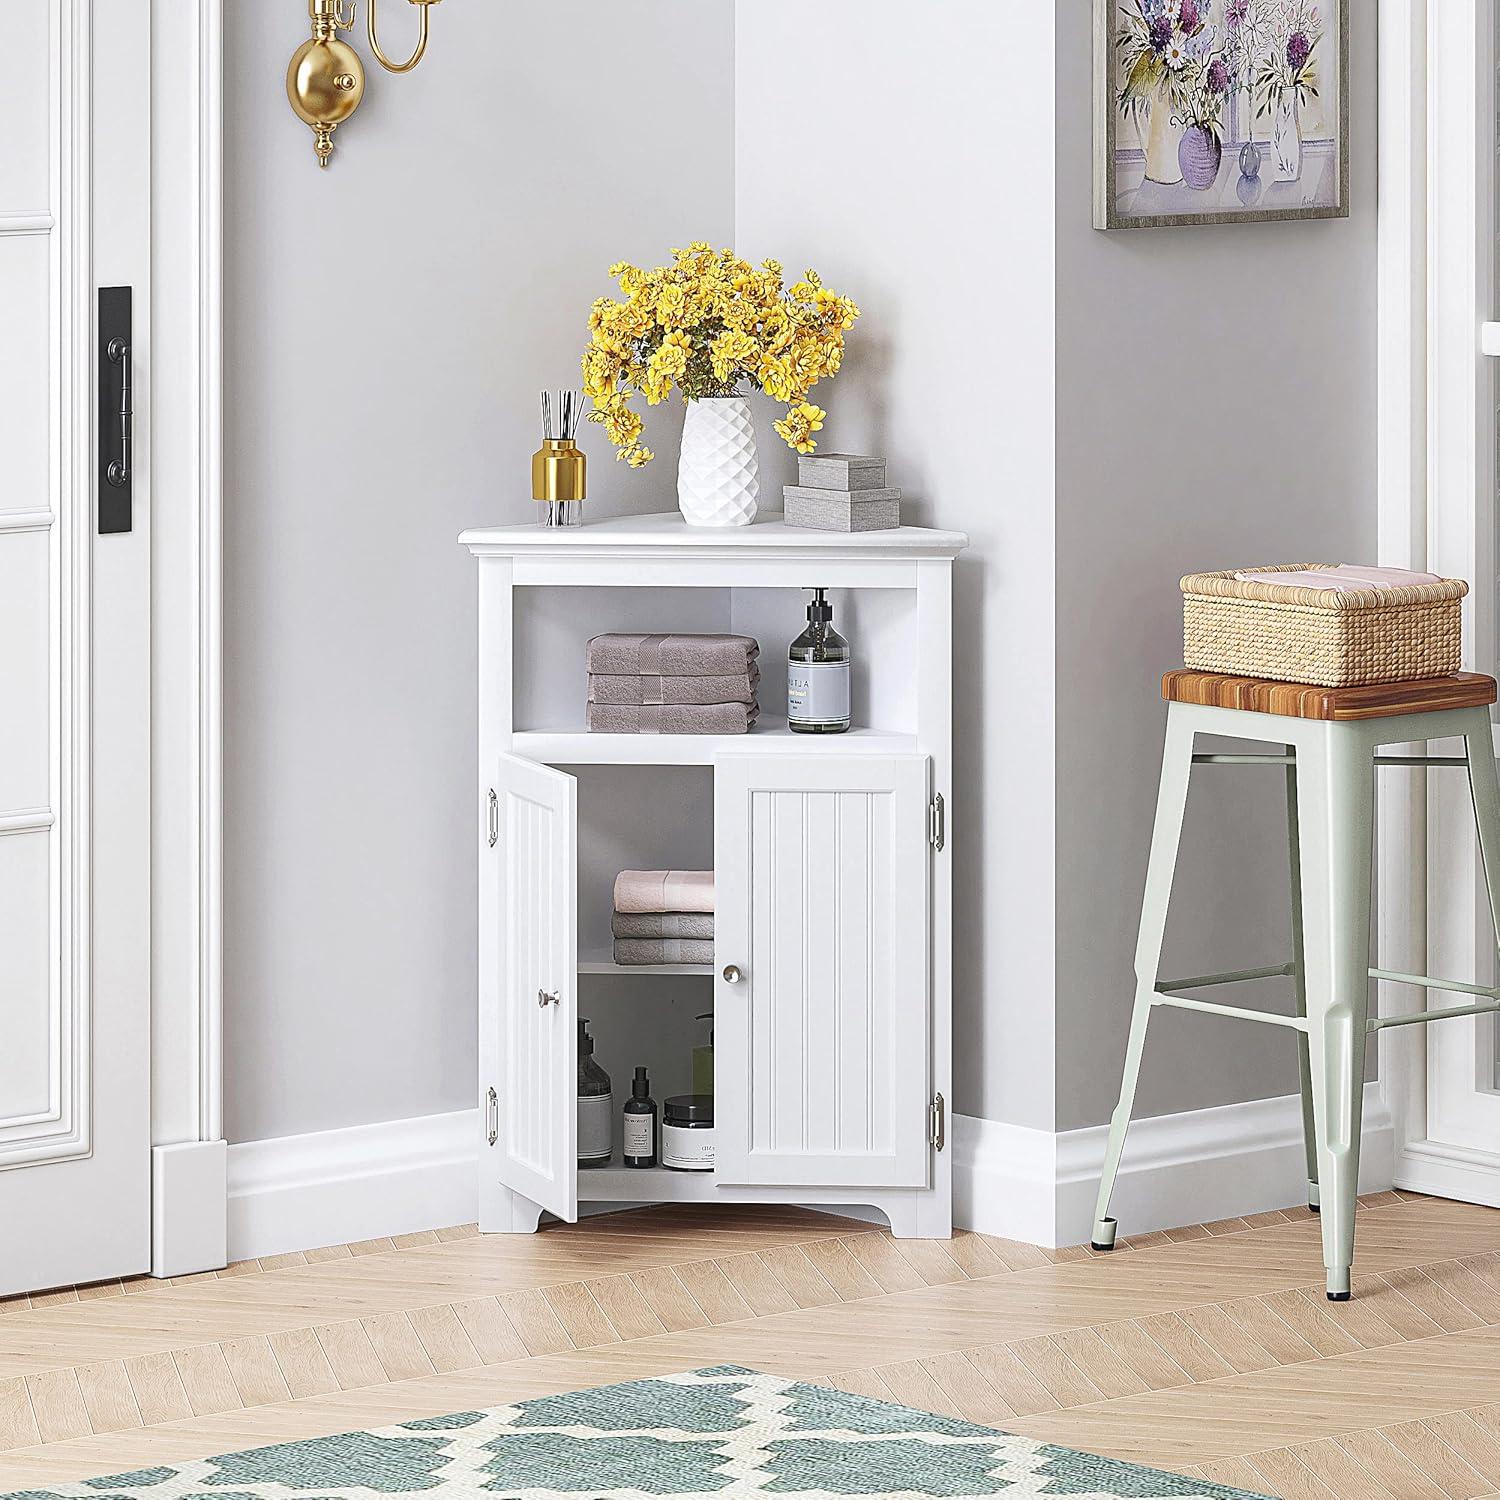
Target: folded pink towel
664	890
634	691
1346	578
671	718
672	655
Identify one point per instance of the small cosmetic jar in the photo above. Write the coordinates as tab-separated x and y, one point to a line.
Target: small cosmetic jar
687	1133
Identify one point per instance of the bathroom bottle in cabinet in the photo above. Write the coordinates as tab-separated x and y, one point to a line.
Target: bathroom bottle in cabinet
822	991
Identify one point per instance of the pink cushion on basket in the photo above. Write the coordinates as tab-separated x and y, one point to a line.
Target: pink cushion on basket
1347	578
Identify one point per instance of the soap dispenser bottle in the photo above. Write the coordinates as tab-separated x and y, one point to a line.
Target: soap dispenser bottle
817	674
596	1104
638	1132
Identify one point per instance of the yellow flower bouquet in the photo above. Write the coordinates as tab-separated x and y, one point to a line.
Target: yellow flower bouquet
707	324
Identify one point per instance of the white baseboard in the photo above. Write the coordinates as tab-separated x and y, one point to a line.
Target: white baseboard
1189	1168
335	1187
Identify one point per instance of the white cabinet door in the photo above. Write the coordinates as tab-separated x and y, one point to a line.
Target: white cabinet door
823	880
529	984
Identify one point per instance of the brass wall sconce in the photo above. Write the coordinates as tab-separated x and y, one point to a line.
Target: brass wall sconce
325	79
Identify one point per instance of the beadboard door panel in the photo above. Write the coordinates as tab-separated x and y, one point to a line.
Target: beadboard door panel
533	966
823	875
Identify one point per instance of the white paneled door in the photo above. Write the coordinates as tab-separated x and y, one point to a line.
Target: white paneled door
74	646
821	1007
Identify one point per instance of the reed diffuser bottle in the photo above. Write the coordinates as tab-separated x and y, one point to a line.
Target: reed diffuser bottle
559	469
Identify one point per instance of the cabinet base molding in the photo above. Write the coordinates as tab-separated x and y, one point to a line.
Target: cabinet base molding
1191	1168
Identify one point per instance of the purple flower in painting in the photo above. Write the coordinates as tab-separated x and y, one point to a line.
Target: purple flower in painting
1218	76
1161	33
1298	49
1188	17
1235	12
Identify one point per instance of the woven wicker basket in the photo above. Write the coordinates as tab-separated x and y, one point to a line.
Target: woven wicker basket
1321	636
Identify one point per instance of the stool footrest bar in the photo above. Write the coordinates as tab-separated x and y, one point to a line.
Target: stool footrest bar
1208	758
1234	976
1239	1012
1427	982
1442	1013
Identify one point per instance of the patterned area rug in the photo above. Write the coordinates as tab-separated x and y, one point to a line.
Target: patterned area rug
723	1432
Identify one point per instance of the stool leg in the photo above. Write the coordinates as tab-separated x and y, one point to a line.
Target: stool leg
1484	788
1171	799
1336	796
1299	979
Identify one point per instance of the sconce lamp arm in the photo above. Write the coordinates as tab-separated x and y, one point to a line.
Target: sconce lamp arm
424	6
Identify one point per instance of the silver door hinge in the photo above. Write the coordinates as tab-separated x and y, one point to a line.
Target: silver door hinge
937	822
937	1122
494	817
492	1115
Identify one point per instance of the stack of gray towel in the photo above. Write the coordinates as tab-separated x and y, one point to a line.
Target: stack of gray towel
673	684
664	917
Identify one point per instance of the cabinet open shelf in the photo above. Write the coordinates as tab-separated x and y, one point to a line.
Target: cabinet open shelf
602	963
563	747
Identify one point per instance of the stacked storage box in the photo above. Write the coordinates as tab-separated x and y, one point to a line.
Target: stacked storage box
672	684
841	492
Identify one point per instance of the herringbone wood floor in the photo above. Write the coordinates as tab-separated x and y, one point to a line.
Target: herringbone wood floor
1208	1351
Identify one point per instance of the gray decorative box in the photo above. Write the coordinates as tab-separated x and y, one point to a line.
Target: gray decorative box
841	510
840	471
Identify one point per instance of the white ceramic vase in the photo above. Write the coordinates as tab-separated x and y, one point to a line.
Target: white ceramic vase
718	478
1286	138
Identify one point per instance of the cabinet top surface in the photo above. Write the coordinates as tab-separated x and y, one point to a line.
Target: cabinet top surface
667	532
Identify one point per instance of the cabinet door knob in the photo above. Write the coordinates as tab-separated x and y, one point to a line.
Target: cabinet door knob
544	999
732	974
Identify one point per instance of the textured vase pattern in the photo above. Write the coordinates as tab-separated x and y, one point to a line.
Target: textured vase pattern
718	478
1199	154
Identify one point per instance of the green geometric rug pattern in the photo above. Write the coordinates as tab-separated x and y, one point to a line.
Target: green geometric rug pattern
722	1432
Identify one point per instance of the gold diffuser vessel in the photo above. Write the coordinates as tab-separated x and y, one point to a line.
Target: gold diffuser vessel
559	468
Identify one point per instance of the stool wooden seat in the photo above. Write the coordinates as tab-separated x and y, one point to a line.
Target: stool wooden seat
1331	755
1300	700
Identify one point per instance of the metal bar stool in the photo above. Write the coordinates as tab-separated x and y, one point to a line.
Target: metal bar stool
1331	736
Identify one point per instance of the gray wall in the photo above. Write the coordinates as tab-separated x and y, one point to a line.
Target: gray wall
388	324
924	190
1216	408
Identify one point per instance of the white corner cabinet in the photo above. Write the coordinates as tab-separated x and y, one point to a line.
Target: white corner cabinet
832	1032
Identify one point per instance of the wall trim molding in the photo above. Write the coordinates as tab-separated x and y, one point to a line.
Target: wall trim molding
186	759
1189	1168
363	1182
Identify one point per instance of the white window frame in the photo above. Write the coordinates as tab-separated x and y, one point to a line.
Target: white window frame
1437	491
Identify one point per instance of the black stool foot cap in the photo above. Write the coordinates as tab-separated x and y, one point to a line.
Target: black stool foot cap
1102	1249
1338	1296
1315	1208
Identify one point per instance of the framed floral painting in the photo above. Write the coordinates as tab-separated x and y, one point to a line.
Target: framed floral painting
1217	111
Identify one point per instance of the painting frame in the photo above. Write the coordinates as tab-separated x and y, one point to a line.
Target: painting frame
1107	212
